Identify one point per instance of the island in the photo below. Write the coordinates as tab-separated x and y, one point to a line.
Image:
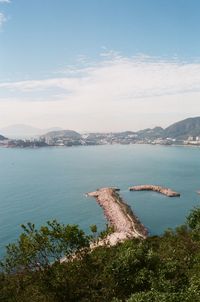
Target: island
166	191
120	216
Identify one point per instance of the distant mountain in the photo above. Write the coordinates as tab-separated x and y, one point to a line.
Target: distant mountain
183	129
63	134
151	133
124	133
2	138
180	130
24	131
51	129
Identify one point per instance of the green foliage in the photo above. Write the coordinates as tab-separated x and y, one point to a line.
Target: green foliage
37	249
193	219
108	230
134	267
159	269
153	296
93	228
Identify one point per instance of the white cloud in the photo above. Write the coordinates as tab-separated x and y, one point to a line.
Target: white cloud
115	94
3	19
123	78
5	1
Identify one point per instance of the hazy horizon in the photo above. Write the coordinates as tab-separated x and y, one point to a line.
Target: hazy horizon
16	128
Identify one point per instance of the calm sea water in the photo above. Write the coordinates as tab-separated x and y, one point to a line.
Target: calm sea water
41	184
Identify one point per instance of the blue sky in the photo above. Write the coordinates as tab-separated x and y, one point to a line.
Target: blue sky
88	44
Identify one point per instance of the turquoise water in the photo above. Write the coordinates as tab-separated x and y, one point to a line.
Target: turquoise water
41	184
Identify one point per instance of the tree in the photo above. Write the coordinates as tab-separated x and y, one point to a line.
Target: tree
38	249
193	219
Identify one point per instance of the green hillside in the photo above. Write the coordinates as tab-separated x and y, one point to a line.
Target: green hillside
64	134
184	128
2	137
158	269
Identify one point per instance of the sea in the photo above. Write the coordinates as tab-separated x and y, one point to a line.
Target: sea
37	185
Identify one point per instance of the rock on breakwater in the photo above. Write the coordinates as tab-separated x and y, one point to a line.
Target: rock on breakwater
120	216
166	191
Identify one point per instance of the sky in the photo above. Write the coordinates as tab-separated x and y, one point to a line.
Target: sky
99	65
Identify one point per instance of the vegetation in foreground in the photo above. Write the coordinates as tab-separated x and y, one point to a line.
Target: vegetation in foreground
158	269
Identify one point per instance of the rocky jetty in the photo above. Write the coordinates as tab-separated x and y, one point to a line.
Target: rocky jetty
166	191
119	215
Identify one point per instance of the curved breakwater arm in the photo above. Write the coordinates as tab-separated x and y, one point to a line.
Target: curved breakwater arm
166	191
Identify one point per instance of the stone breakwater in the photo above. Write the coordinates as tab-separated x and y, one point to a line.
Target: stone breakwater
166	191
119	215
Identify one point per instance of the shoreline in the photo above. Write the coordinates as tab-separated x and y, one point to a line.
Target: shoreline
98	145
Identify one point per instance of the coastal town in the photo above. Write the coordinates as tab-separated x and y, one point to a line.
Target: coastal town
185	132
63	139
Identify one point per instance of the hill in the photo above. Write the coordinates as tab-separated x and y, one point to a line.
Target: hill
20	131
151	133
71	134
183	129
24	131
179	130
2	138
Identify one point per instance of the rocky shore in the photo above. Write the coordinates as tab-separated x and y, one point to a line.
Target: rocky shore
119	215
166	191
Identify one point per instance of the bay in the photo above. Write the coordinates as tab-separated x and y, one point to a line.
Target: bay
37	185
